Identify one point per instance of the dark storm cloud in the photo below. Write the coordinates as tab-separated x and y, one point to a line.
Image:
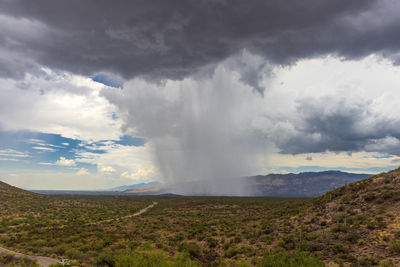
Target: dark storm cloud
329	124
172	39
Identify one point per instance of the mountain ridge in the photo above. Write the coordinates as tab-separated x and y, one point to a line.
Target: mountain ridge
136	186
305	184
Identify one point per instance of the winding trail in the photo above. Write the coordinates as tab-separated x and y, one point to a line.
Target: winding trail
46	261
127	216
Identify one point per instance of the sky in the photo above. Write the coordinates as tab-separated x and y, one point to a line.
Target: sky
96	94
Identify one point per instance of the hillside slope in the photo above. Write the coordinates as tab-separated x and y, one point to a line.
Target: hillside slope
13	199
357	224
12	191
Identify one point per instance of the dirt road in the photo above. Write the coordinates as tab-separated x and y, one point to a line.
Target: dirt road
128	216
46	261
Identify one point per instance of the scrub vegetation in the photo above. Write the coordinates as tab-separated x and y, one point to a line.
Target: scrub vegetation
10	260
355	225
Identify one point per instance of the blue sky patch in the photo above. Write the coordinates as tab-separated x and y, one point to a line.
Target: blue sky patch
24	150
108	80
128	140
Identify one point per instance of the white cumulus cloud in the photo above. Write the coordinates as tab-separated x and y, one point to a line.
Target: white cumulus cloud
65	162
106	169
58	103
82	172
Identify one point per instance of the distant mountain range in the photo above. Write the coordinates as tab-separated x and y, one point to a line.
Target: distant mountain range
136	186
306	184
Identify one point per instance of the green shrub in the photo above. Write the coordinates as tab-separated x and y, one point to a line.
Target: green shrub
232	251
237	239
133	244
11	261
395	248
106	259
75	254
284	259
287	242
153	259
6	258
305	245
368	261
352	236
340	227
369	197
192	248
212	243
386	263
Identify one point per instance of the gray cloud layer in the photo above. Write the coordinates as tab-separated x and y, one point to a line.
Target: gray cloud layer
172	39
335	124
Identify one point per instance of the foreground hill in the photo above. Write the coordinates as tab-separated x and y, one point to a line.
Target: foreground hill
357	224
10	191
13	199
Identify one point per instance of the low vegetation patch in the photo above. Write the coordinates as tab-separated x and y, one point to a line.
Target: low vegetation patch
10	260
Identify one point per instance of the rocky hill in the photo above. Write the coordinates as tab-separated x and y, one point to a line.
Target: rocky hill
356	225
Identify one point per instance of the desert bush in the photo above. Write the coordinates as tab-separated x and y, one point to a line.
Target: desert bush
191	248
74	253
386	263
340	227
9	260
212	242
6	258
369	196
305	245
368	261
287	242
232	251
395	247
352	236
106	259
284	259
